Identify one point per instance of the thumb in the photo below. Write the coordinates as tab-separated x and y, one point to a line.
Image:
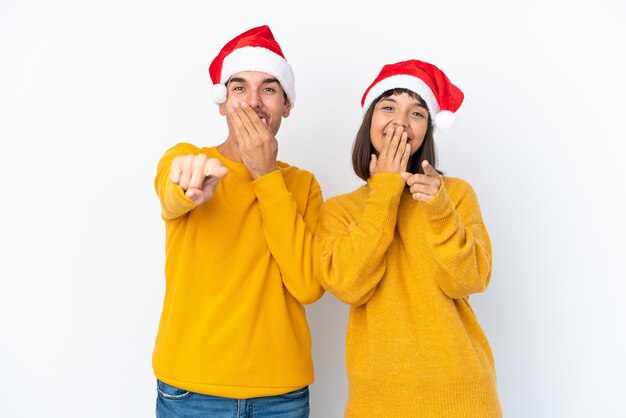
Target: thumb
429	170
406	175
192	194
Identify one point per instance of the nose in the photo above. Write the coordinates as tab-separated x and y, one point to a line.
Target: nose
254	98
400	120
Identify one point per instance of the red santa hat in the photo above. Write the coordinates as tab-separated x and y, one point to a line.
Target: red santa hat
254	50
441	96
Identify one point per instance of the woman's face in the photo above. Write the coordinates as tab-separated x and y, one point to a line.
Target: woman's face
399	110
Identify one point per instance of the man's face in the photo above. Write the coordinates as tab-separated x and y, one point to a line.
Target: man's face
262	92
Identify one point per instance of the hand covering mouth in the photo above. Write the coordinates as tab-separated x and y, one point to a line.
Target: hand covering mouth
262	115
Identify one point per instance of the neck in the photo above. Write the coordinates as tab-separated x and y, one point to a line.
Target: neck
230	150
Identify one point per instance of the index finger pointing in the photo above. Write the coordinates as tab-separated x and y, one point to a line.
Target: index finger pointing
429	170
213	167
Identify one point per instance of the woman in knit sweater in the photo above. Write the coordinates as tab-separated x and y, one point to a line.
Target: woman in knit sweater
406	250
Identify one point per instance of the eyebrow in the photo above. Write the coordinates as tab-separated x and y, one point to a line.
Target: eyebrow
243	80
390	99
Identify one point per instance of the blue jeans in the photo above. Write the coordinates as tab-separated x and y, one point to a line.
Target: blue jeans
173	402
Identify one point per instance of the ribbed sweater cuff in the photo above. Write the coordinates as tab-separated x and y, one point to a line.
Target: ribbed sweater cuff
440	209
271	187
382	203
175	201
450	399
391	183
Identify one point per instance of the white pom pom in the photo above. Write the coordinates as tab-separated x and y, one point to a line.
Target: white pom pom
445	121
219	93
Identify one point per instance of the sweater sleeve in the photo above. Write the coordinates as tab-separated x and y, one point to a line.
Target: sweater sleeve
350	247
174	203
460	242
289	234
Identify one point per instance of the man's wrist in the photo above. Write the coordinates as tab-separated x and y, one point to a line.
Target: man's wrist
260	172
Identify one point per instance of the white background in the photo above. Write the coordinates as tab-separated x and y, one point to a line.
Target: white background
92	93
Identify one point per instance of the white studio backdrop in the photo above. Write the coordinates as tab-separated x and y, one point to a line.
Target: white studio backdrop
93	92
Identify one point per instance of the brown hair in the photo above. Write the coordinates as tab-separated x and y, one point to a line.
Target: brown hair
362	148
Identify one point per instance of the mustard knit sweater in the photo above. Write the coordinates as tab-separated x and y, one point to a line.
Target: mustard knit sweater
407	268
238	271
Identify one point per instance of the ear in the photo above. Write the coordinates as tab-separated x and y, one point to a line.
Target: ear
287	109
222	109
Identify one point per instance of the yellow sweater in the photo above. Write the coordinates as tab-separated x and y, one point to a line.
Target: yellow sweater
414	346
238	271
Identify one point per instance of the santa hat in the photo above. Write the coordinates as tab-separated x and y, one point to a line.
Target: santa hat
253	50
441	96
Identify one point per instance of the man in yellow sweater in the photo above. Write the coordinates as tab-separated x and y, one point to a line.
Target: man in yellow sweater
233	337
